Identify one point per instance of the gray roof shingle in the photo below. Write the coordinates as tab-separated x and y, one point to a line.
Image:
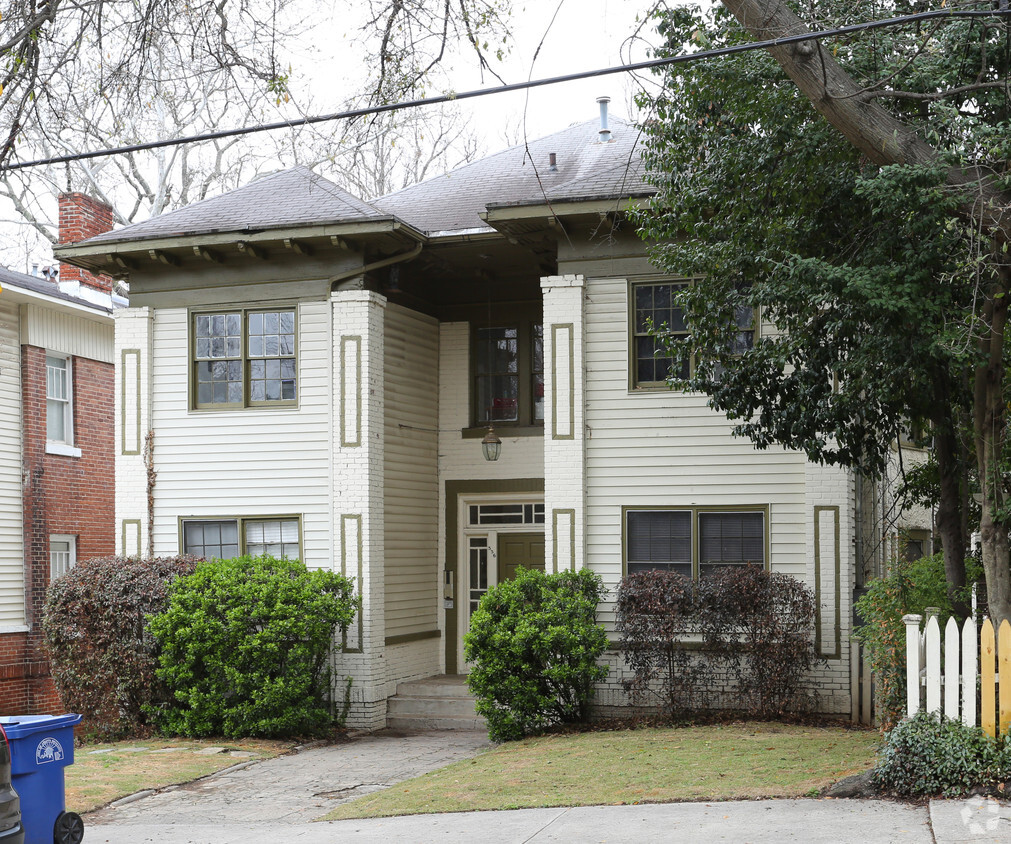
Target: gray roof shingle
288	198
9	278
587	169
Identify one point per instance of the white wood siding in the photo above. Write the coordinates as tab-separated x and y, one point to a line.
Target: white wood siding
411	472
243	462
69	334
661	448
12	560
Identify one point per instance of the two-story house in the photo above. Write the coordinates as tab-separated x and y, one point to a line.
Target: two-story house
316	376
56	447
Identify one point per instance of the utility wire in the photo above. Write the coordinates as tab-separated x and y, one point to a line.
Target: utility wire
517	86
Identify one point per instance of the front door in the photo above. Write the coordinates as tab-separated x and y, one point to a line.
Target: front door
519	549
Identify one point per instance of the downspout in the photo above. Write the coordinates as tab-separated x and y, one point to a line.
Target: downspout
376	265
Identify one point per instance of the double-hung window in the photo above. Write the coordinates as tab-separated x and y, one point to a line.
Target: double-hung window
657	318
62	554
222	539
693	542
59	404
244	358
509	374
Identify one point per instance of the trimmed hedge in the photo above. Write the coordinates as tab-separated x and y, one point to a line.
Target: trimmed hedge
101	654
534	642
245	648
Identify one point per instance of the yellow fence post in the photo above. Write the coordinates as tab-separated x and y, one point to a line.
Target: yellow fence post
1004	686
987	653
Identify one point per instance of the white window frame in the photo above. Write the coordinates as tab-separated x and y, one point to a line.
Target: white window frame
71	552
65	446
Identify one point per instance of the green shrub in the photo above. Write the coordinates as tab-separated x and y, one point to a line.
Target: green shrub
245	648
926	755
101	654
908	588
742	631
534	643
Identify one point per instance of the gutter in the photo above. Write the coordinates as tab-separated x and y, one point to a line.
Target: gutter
376	265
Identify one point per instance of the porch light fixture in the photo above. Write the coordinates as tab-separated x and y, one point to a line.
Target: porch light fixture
491	445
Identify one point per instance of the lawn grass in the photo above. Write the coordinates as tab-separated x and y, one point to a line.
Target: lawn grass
97	778
723	762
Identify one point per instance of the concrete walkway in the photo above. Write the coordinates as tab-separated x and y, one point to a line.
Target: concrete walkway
274	802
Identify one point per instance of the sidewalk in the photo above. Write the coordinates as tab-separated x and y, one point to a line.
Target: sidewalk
274	802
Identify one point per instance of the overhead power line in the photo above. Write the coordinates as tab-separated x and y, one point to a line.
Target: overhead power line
518	86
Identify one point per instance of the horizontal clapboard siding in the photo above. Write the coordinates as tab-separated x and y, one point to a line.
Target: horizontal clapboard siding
660	448
411	472
243	462
12	578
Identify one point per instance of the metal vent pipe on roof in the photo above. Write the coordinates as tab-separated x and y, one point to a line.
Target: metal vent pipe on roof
604	133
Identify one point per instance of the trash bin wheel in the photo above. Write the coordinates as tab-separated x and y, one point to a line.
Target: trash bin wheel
69	829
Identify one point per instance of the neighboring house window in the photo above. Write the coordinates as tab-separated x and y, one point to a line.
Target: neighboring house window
509	374
244	358
915	543
222	539
655	316
692	541
62	554
59	405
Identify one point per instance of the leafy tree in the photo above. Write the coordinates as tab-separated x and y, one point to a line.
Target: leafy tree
850	194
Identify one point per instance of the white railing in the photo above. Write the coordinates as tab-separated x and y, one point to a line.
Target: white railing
962	681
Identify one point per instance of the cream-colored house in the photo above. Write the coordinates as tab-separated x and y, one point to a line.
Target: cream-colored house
302	372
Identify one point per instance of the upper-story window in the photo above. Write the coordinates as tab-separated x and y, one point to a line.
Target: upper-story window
244	358
59	401
509	374
655	311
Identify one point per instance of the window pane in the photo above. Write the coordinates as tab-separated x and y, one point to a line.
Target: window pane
211	540
273	537
56	421
731	538
498	398
658	537
656	305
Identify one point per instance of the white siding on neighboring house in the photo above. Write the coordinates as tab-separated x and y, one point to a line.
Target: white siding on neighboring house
243	462
411	472
662	448
12	575
69	334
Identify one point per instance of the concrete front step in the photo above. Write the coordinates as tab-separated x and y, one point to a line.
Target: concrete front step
435	703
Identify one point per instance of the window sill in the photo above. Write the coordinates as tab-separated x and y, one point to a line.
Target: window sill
504	431
63	449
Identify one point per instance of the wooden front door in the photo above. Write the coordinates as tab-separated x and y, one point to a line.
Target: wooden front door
519	549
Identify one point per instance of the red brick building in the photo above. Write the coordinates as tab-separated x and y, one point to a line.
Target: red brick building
56	447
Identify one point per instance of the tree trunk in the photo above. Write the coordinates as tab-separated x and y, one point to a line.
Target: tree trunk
990	424
949	514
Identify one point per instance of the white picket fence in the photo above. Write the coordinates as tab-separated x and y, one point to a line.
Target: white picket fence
962	680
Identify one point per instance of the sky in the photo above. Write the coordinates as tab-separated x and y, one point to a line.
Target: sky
574	35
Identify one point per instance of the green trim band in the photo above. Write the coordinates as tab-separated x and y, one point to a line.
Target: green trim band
123	526
347	342
569	329
571	513
403	638
837	608
134	353
345	519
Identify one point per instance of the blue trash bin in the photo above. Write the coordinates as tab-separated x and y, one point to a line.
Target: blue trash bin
41	747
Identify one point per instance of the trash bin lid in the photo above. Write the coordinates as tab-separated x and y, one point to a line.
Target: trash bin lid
17	726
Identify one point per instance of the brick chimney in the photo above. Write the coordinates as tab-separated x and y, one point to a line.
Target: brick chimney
82	217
